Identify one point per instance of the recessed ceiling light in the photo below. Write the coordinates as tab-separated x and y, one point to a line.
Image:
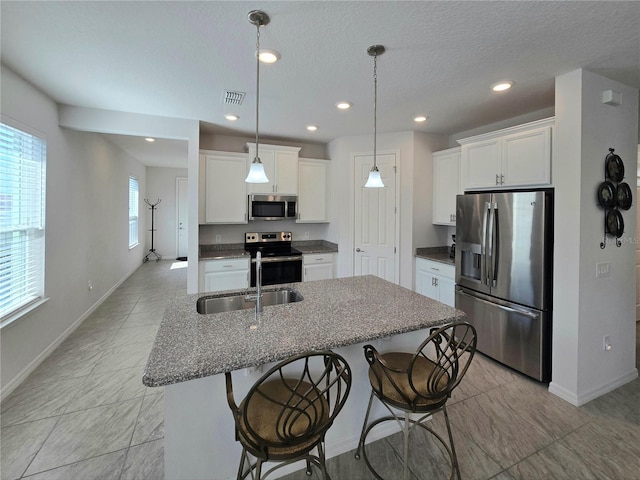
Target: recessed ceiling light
150	140
420	118
231	117
312	128
502	85
268	56
343	105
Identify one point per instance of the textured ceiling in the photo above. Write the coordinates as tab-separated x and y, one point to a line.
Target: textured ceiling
176	58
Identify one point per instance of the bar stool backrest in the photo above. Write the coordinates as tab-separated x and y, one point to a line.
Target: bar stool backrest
434	371
293	404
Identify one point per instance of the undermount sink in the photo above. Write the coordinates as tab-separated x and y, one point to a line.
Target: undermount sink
241	301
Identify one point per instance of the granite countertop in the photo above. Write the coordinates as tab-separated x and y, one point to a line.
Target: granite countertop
220	251
334	313
315	246
437	254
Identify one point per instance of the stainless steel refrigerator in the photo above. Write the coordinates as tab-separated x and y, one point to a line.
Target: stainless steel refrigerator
504	265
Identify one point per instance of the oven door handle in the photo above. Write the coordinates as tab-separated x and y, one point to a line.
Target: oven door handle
278	259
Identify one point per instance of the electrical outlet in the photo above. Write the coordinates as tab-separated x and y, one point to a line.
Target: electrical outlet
306	235
251	370
218	238
606	343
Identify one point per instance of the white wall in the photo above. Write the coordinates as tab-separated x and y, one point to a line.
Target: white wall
414	168
86	229
235	233
107	121
232	143
161	184
585	307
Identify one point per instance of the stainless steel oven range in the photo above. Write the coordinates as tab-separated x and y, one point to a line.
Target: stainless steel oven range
281	263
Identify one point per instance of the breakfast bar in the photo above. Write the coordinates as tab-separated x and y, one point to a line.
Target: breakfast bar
192	350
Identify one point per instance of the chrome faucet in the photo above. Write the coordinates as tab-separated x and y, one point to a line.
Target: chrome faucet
258	282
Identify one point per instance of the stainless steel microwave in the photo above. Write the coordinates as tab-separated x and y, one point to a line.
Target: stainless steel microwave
272	207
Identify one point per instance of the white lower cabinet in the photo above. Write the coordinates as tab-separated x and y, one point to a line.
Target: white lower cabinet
231	274
318	267
436	280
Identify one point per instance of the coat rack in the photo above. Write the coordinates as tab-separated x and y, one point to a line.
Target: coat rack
152	251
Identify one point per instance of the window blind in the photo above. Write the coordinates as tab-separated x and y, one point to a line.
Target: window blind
22	219
133	211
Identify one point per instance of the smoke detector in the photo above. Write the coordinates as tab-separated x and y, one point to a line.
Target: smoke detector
230	97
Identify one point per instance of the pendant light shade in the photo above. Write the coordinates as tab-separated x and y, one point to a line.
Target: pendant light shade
374	180
256	172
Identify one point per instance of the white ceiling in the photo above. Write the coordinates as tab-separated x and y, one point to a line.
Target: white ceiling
176	58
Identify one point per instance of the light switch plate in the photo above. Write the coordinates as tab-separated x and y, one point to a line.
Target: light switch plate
603	269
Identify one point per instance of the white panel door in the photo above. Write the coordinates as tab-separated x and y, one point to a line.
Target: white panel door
375	219
183	215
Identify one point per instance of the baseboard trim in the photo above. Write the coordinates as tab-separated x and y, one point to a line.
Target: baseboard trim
26	371
579	399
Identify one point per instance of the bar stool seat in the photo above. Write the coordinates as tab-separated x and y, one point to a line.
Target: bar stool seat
419	383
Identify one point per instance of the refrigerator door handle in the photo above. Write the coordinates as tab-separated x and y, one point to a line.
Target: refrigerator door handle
524	313
489	256
493	245
483	246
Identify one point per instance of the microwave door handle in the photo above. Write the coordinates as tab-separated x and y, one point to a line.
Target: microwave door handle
483	245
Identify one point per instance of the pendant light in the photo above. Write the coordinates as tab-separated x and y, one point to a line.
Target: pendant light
374	180
256	172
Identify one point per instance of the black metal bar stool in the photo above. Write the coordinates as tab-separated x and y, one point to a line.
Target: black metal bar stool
288	411
419	382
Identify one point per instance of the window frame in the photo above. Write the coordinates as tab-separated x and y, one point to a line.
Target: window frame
33	236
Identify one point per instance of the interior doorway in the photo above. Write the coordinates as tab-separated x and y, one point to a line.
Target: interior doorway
375	221
182	220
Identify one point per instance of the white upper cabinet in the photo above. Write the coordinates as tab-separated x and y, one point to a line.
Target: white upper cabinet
225	194
313	190
446	185
281	167
514	157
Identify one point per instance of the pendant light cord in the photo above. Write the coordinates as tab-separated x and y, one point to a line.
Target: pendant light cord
375	107
258	84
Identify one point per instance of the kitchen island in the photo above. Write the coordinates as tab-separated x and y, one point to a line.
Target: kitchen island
192	350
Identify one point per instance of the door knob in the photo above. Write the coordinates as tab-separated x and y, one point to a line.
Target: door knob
358	250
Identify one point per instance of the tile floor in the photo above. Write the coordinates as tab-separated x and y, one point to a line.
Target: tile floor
84	414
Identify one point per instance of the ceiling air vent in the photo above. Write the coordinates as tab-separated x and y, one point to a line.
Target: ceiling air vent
229	97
